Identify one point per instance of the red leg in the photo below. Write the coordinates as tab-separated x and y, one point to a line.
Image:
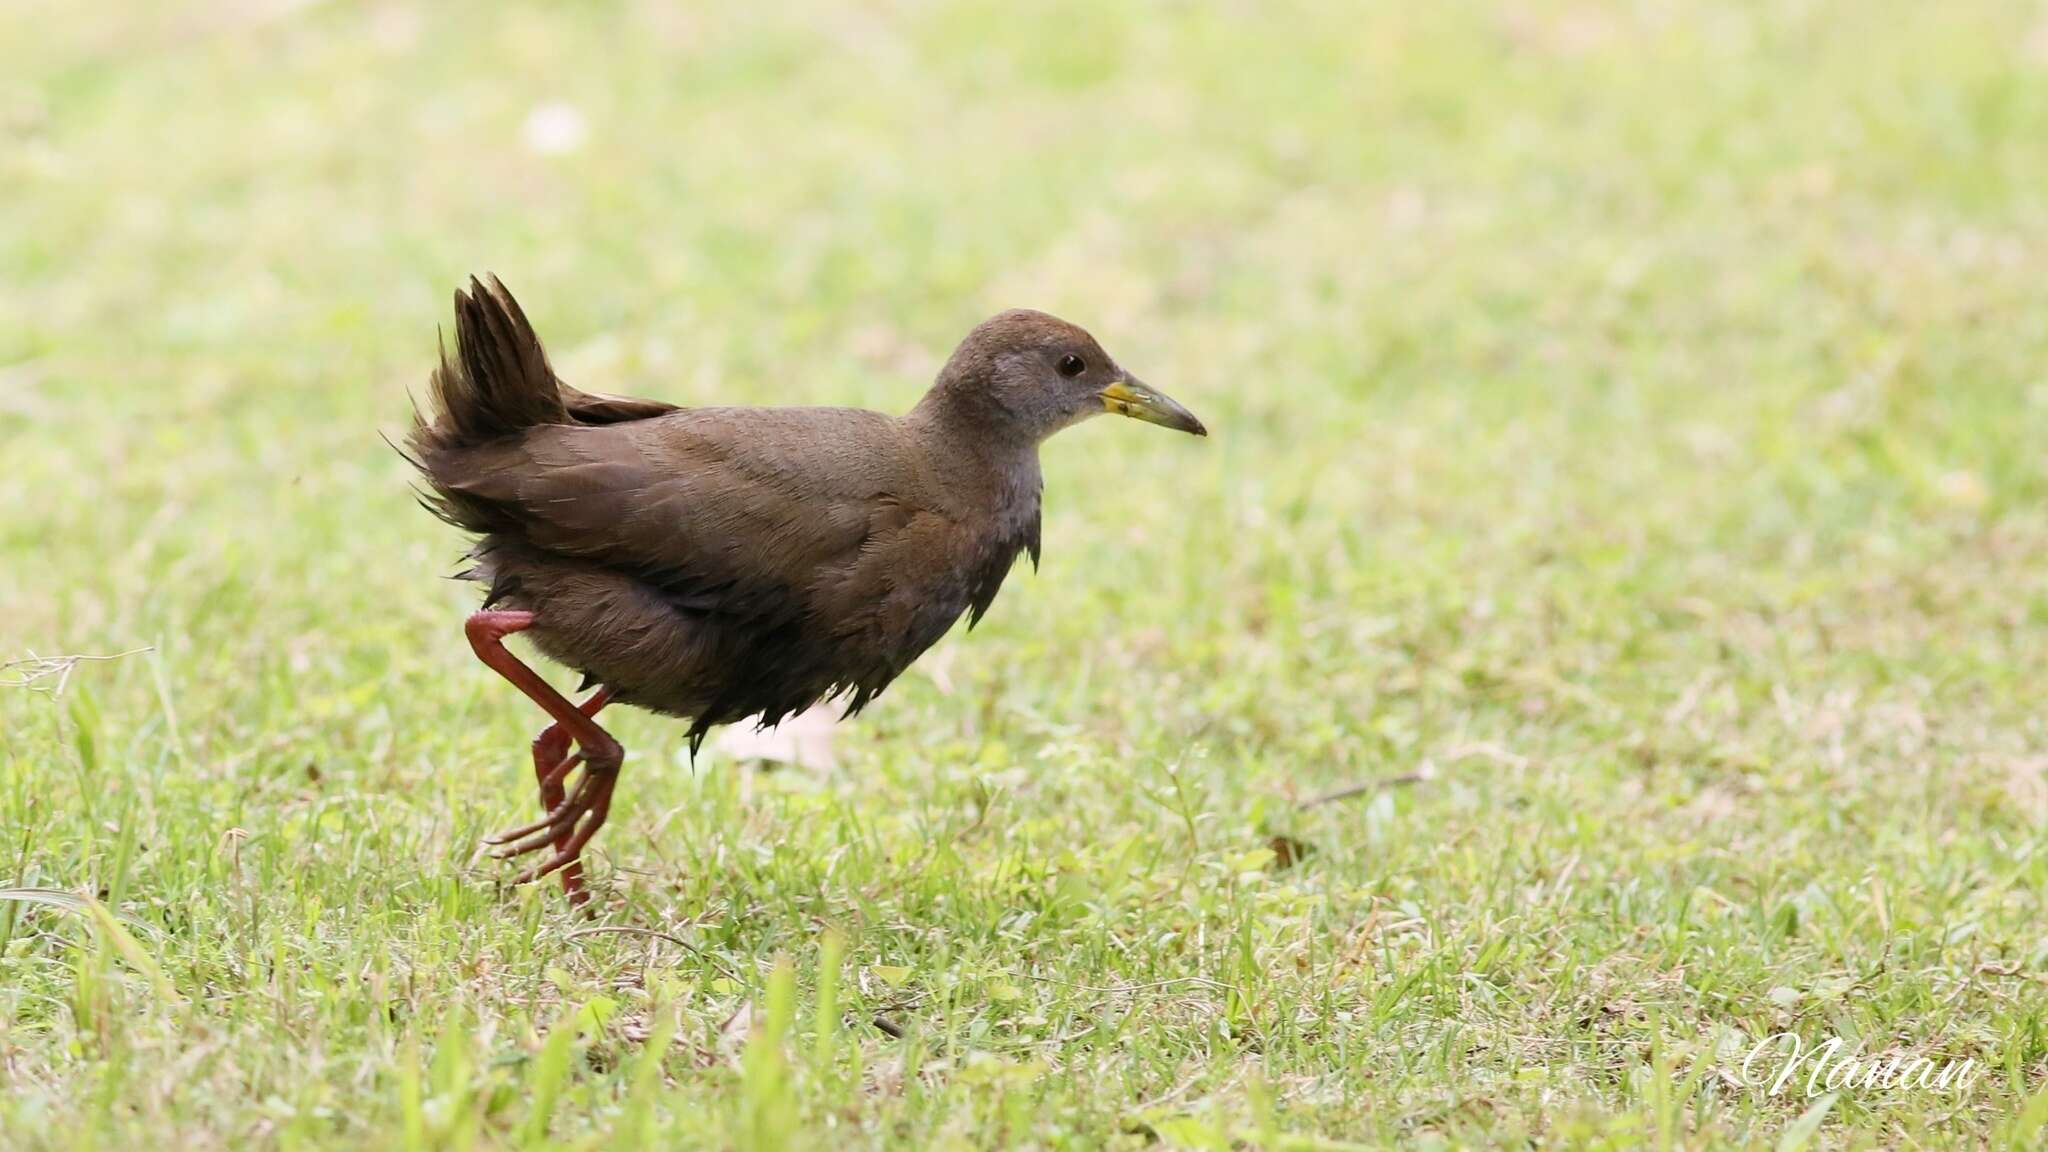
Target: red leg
552	761
570	824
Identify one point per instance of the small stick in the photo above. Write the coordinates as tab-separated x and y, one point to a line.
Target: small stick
36	669
1363	787
628	930
1203	981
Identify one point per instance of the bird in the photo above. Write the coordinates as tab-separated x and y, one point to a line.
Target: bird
718	563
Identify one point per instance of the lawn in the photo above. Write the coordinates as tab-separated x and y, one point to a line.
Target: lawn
1628	481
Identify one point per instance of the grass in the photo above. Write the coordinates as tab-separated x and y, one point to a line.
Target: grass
1628	423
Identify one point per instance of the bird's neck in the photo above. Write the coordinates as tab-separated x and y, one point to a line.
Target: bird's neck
975	459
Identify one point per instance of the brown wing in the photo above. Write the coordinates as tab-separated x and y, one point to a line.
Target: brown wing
738	512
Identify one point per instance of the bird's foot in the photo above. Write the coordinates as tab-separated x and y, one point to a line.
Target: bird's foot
567	827
553	760
570	824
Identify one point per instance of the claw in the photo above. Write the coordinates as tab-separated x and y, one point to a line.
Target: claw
525	830
573	850
597	806
557	821
559	827
538	840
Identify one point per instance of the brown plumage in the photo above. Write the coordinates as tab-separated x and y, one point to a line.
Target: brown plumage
720	563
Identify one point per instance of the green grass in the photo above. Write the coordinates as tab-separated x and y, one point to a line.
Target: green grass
1630	418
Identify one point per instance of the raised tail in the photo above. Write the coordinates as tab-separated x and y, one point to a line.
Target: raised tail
498	385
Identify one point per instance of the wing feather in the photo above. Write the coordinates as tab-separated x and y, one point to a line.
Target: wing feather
716	507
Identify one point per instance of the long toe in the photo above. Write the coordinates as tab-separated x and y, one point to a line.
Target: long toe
560	817
558	827
501	839
600	806
569	854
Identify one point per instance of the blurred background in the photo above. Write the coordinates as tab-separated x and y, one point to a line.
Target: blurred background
1760	276
1628	415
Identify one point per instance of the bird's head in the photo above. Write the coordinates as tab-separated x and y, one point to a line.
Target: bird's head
1026	375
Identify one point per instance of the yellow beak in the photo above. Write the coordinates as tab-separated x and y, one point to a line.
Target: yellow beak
1131	397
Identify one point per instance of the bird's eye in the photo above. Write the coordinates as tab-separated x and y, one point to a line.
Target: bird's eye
1070	365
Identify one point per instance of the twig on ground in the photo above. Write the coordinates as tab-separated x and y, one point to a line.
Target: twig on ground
1483	750
1180	1090
1202	981
33	672
627	930
1363	787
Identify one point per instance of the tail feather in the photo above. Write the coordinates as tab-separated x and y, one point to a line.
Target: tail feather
498	386
500	383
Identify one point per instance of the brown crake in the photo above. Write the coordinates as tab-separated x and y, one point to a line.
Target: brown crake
719	563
